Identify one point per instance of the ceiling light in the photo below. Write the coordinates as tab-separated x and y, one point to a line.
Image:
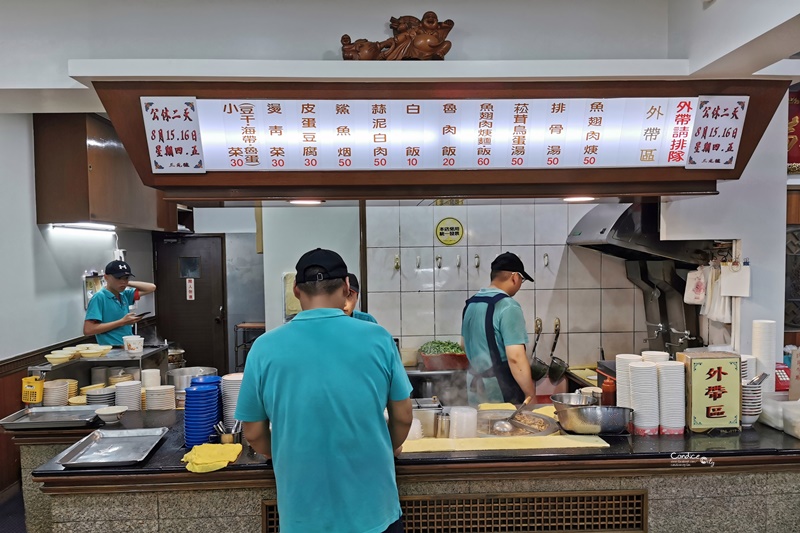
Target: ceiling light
306	202
579	199
87	225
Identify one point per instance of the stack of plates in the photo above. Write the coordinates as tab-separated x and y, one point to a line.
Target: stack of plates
654	356
671	397
231	383
72	386
748	367
120	378
751	403
129	394
764	342
623	378
77	400
56	393
101	396
644	397
160	398
201	414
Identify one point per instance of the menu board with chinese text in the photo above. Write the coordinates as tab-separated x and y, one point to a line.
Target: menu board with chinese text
717	131
173	134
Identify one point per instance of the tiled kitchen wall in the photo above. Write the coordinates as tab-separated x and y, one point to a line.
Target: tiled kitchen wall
587	290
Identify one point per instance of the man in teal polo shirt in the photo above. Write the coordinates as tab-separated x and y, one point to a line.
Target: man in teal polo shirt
494	337
323	380
352	301
108	316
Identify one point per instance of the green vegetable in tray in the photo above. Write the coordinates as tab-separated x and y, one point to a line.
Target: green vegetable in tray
439	347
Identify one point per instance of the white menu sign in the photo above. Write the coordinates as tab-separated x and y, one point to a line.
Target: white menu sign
173	134
267	135
717	131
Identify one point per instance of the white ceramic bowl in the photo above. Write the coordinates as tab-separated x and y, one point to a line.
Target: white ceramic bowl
57	359
111	415
91	354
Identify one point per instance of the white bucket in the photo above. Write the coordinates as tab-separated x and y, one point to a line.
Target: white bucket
133	343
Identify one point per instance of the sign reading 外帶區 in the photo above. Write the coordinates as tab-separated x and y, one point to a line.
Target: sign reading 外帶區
330	135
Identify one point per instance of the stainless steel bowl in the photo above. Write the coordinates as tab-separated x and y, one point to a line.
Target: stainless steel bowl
182	377
594	419
566	400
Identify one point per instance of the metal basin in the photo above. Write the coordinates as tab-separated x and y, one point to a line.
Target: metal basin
182	377
594	419
566	400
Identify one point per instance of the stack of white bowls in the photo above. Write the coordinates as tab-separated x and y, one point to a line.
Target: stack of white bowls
129	394
748	367
764	342
654	356
134	371
103	396
624	379
151	377
463	422
72	386
160	398
671	397
231	383
56	393
751	403
644	397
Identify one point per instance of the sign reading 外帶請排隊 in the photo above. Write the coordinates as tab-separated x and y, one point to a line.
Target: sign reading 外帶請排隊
717	131
342	135
173	134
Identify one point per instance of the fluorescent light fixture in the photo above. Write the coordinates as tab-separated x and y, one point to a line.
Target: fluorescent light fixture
87	225
579	199
306	202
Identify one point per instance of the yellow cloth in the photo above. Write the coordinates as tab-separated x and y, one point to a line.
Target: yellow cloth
503	443
496	406
210	457
547	410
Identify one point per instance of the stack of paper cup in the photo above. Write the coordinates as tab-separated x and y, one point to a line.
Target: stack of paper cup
764	342
623	378
654	356
231	383
644	397
463	422
748	367
151	377
671	397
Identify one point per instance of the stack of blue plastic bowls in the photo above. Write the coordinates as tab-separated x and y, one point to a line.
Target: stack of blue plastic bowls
201	413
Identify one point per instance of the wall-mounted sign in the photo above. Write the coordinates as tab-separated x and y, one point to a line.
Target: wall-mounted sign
449	231
188	135
190	289
717	131
173	134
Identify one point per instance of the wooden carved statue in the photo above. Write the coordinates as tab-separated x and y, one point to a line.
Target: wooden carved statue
413	39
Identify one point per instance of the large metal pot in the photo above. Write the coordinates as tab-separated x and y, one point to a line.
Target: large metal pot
594	419
567	400
182	377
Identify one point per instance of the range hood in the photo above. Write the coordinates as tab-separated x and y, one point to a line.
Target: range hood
631	231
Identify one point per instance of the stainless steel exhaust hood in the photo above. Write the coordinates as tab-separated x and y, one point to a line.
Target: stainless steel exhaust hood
631	231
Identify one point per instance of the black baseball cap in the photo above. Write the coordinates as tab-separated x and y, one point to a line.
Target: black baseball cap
118	269
353	282
510	263
331	264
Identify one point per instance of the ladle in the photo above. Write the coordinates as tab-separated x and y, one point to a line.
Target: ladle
503	425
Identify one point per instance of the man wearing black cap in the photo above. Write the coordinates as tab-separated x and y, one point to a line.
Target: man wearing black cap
108	316
323	380
352	301
494	333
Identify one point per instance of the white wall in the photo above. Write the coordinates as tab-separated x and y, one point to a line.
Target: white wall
41	267
752	209
289	232
224	220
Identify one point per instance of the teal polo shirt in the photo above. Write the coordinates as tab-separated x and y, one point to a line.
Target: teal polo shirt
364	316
509	330
323	380
105	307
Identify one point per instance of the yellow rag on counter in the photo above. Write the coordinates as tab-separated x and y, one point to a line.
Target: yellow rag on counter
547	410
497	406
210	457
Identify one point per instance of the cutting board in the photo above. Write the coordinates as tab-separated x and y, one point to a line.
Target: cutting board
503	443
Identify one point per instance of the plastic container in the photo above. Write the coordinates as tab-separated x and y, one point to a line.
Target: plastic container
32	389
445	361
609	395
463	422
133	343
791	419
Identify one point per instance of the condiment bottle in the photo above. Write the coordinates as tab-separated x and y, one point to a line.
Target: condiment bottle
609	394
442	426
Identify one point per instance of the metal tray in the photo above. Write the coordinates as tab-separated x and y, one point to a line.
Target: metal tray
73	416
105	447
487	417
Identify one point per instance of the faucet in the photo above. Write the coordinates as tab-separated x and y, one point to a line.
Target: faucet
685	336
660	329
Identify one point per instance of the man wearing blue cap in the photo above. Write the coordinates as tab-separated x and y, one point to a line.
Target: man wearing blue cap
323	380
108	316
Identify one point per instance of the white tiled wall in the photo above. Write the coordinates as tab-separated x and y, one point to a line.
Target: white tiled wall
589	292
